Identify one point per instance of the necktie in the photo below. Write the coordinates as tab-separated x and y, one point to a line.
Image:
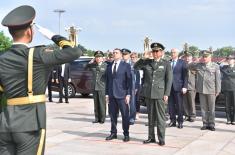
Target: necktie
114	69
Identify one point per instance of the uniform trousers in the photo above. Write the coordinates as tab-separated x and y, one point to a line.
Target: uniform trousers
189	103
230	105
99	105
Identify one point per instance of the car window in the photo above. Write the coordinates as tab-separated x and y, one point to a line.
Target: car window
79	65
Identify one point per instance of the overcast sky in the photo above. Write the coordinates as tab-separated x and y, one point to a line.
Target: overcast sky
109	24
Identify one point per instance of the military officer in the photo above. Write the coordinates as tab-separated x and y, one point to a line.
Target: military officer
24	75
228	88
156	89
208	85
98	68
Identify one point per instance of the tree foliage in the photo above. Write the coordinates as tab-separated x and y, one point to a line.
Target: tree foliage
5	42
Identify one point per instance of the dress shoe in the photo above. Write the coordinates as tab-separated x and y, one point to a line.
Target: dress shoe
233	123
172	124
161	143
150	140
131	123
101	122
126	138
180	126
50	100
95	121
191	120
66	101
112	136
60	101
204	128
212	128
228	122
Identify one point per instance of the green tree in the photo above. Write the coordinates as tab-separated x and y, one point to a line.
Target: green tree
5	42
224	51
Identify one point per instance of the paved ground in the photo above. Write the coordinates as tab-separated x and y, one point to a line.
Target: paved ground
70	132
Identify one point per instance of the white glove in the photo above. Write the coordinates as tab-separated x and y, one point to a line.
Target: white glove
47	33
184	90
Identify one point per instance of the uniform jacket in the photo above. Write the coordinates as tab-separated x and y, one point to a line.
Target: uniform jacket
208	78
191	77
13	78
228	78
98	72
120	85
157	78
179	76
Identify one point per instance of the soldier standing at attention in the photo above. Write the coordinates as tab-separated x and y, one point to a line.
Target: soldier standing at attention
98	68
156	89
24	75
228	88
208	85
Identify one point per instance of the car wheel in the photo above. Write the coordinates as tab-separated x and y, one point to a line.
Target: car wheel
85	95
71	91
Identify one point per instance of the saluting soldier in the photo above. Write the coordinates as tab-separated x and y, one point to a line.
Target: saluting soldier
156	89
24	75
98	68
208	85
228	88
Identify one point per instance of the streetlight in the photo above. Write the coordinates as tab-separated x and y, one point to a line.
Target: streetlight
59	11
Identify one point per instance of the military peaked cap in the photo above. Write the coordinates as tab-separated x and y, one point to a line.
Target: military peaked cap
19	18
206	53
157	46
125	51
98	54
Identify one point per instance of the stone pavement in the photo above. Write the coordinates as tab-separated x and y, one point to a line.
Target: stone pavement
70	132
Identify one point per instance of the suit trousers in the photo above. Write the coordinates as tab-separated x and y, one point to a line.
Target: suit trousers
230	105
176	106
132	106
114	106
49	85
22	143
189	103
63	84
156	116
99	105
207	102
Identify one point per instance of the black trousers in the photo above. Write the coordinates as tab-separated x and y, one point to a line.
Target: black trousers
230	105
22	143
49	85
114	106
63	84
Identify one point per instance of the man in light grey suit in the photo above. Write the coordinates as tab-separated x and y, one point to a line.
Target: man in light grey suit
208	85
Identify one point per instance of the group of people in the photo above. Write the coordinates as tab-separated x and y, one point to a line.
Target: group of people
167	86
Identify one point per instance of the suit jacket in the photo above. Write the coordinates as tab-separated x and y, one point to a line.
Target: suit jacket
228	78
179	75
98	75
120	85
13	78
157	78
208	78
66	75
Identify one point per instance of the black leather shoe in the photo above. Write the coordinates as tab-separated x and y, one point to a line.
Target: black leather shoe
161	143
112	136
95	121
126	138
150	140
66	101
172	124
60	101
212	128
233	123
191	120
180	126
204	128
101	122
50	100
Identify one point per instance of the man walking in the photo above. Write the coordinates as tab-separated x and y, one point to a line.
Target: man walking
24	74
156	89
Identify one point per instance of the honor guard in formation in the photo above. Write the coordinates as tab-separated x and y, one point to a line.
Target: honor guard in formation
98	68
156	89
208	85
24	75
228	88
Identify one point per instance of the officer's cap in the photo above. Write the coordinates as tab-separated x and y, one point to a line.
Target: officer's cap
188	54
98	54
157	46
19	18
125	51
230	57
206	53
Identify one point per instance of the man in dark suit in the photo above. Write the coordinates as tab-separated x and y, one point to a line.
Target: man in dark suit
24	79
51	81
118	91
179	87
156	89
228	88
64	79
98	68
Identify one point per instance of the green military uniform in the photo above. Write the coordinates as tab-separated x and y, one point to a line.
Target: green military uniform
157	83
98	71
23	119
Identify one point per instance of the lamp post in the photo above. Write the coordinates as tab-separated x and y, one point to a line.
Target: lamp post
59	11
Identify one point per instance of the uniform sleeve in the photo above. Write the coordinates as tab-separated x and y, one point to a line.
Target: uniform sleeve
168	79
185	76
139	64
